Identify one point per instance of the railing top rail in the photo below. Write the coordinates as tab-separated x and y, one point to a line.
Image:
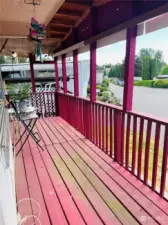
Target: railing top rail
148	117
118	108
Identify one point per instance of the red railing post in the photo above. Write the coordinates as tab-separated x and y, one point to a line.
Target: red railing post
56	74
93	71
117	135
129	68
75	68
31	60
64	73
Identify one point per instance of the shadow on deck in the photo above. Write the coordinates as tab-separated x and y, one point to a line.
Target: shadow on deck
75	183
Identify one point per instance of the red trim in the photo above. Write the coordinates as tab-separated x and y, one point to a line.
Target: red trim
32	73
93	71
64	73
75	67
56	74
129	68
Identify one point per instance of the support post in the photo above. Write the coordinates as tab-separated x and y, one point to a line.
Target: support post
31	59
129	68
93	71
75	68
56	74
64	73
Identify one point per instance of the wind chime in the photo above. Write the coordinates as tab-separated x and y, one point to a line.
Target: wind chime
36	31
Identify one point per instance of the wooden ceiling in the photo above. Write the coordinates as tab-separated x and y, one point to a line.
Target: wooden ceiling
70	14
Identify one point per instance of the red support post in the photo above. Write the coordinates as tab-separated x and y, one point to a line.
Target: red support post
56	74
93	71
31	59
75	68
129	68
64	73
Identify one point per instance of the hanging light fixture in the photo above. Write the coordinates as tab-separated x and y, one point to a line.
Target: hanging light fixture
14	54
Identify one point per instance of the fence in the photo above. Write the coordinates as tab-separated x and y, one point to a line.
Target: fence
138	142
45	103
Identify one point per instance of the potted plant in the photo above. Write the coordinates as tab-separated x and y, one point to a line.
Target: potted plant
19	94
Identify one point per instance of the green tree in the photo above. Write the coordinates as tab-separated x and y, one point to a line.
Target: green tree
22	60
117	70
138	66
2	59
105	73
145	68
164	70
150	62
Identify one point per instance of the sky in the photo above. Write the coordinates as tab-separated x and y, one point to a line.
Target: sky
115	53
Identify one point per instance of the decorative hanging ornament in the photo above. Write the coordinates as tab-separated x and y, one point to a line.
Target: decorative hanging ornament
36	33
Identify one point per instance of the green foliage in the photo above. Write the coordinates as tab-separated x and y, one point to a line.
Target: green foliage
19	92
106	82
99	67
138	67
146	68
105	73
2	59
11	60
160	84
117	70
164	70
151	62
108	96
148	64
22	60
88	89
145	83
101	88
152	83
107	65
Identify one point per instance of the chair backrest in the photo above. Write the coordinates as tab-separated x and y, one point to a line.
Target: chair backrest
14	107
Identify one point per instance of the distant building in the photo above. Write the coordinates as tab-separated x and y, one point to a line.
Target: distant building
99	76
162	77
137	78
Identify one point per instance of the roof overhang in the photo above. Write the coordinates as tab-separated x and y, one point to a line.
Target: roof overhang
15	17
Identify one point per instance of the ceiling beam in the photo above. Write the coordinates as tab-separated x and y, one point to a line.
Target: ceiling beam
54	27
76	5
57	35
69	13
4	44
63	22
86	3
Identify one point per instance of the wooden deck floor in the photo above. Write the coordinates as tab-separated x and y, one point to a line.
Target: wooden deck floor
75	183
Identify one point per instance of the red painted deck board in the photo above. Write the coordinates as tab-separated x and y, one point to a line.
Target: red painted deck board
34	186
77	183
24	206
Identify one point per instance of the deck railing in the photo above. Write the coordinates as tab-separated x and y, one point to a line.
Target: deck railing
138	142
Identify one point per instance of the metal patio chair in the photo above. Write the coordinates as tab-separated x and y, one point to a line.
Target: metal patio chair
28	127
